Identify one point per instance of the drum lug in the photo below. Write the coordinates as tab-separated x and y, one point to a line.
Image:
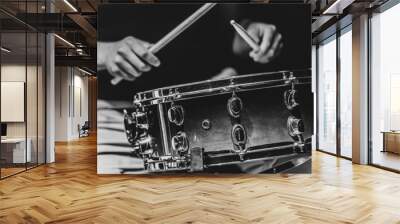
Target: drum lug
290	99
234	106
136	124
296	129
146	145
239	139
295	126
180	143
176	115
130	127
142	121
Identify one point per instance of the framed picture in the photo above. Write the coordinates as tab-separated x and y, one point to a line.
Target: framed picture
213	87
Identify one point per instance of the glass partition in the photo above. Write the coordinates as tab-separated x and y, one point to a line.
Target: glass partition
22	77
32	96
41	97
32	86
13	94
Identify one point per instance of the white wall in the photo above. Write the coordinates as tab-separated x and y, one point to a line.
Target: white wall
61	103
14	73
81	108
71	102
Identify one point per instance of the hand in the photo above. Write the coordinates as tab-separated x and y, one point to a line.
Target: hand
225	73
127	58
266	36
269	40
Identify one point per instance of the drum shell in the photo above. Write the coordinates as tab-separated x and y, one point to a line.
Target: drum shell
264	117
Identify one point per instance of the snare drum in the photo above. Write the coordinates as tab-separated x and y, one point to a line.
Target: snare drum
216	124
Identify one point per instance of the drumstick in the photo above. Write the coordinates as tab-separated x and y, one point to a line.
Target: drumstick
246	36
175	32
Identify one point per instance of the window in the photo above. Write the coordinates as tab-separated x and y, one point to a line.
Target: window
385	89
335	94
327	95
346	93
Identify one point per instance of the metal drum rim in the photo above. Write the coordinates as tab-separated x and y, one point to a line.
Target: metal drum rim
158	96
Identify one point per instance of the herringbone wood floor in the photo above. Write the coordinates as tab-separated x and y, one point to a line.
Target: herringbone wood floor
70	191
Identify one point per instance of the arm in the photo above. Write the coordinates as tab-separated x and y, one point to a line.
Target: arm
127	58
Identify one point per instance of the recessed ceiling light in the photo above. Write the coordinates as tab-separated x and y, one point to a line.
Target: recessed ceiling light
84	71
64	40
5	50
70	5
338	6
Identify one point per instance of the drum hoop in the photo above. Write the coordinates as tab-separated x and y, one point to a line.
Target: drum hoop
159	95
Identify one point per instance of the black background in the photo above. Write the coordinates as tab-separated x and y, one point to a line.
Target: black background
205	48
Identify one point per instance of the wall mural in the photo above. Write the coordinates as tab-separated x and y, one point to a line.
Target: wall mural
217	88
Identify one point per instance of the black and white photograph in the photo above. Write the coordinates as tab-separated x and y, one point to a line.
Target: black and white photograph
204	88
194	111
